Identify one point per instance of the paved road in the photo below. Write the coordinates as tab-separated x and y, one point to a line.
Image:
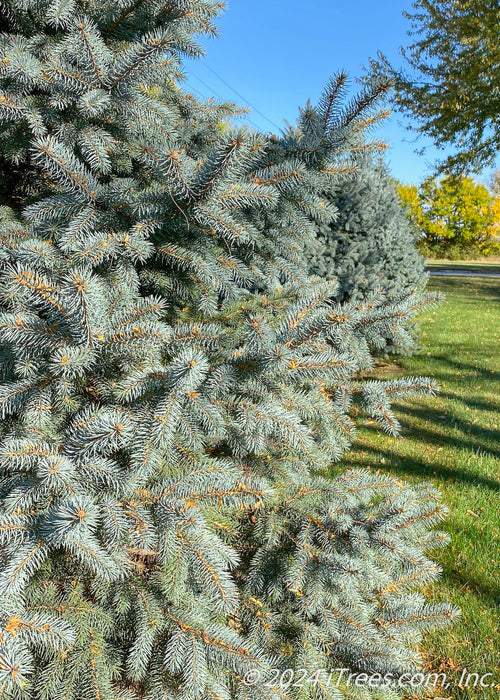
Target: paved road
463	273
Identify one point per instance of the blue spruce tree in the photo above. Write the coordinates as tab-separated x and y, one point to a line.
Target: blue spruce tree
370	246
174	386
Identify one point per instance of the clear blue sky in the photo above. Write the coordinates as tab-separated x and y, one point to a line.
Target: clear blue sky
278	53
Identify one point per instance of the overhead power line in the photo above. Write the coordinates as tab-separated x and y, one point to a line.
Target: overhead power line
257	111
214	92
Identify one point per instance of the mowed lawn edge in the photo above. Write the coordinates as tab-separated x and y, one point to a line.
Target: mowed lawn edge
452	440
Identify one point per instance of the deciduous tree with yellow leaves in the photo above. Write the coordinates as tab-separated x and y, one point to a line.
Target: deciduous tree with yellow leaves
457	216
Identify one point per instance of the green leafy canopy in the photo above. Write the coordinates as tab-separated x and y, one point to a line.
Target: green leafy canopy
450	79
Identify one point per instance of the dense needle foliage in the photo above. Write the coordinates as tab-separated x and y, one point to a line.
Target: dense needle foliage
370	247
174	384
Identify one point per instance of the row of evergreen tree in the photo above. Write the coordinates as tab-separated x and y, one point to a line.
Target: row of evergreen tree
177	379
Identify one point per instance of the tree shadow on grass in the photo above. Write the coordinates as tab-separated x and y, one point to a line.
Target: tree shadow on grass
472	402
481	372
473	437
392	370
489	594
470	289
415	466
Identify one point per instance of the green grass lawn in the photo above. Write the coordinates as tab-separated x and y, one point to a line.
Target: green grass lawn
453	441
